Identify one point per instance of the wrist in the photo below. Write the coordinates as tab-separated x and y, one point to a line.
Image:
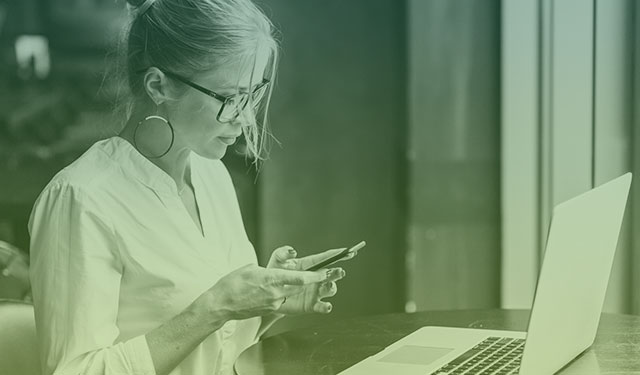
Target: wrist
209	310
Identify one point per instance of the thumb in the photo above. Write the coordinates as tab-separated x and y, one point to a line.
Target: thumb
282	254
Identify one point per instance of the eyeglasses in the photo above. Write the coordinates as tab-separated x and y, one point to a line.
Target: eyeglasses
232	105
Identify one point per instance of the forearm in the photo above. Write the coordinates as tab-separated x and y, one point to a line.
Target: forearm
170	343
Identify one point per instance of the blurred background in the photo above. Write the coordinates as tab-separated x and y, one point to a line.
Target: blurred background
442	132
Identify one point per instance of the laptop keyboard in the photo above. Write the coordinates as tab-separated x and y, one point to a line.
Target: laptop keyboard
493	356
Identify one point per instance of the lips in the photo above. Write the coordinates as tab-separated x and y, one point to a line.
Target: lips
227	140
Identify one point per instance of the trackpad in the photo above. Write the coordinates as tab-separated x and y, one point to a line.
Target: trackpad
415	355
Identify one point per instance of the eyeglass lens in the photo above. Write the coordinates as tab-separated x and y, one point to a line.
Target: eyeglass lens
234	105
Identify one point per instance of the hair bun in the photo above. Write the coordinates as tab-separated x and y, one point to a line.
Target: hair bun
139	7
135	3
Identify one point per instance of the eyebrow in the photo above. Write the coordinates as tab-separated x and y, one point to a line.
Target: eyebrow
242	89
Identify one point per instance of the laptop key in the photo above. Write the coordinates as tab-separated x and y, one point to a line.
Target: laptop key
493	356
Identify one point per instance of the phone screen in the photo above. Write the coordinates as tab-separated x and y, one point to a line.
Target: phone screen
336	257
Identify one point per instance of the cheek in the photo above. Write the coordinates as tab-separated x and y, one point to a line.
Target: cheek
197	120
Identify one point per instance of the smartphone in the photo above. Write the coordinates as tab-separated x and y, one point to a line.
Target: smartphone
337	257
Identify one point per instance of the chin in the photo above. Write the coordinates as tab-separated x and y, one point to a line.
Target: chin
214	153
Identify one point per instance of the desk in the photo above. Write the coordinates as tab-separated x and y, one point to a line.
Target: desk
334	347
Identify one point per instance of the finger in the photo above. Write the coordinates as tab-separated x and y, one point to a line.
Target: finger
323	307
354	250
290	277
351	255
290	264
328	289
335	274
311	260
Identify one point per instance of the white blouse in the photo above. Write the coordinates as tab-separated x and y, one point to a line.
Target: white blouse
114	254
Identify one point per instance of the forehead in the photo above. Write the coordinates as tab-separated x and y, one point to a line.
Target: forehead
236	75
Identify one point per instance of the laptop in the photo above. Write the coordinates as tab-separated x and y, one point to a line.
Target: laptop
571	288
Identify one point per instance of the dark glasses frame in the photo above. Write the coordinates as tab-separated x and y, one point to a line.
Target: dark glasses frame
224	99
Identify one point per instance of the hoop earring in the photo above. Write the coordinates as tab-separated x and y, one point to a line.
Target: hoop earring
148	118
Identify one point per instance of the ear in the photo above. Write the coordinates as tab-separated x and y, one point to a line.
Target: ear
156	85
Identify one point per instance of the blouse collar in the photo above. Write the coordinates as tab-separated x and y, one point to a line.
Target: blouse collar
140	167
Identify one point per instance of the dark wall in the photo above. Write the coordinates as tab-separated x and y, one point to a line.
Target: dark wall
341	173
454	215
339	113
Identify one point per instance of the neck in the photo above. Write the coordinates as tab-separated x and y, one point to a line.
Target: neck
175	163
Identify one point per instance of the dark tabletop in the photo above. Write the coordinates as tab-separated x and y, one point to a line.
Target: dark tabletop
331	348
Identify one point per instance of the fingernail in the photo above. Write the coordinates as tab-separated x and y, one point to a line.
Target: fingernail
292	252
329	308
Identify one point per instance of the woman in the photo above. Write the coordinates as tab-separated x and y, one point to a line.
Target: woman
140	262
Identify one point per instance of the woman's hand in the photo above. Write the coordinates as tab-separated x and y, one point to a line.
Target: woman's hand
310	298
255	291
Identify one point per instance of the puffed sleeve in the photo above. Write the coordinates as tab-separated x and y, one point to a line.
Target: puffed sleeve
243	251
75	276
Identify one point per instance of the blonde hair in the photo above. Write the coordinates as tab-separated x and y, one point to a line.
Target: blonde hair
188	37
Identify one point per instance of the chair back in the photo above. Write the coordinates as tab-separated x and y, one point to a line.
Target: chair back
18	343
